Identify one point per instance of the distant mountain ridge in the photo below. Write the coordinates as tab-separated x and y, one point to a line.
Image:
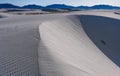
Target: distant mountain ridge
6	5
105	7
59	6
33	6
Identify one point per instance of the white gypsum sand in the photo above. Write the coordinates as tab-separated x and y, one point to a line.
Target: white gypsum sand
60	44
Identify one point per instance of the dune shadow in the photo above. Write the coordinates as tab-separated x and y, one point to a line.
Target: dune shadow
1	16
104	32
118	13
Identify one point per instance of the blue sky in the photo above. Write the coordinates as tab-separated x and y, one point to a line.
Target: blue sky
68	2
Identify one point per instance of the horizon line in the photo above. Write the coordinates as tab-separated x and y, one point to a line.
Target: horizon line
57	3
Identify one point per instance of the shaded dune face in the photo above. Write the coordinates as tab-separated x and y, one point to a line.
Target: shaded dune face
66	50
1	16
104	32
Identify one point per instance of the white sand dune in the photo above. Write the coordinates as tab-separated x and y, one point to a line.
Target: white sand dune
66	50
82	43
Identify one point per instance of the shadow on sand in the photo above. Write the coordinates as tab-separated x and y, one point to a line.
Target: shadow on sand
105	33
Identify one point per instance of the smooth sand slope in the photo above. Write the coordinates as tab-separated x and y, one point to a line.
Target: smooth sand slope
66	50
69	44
